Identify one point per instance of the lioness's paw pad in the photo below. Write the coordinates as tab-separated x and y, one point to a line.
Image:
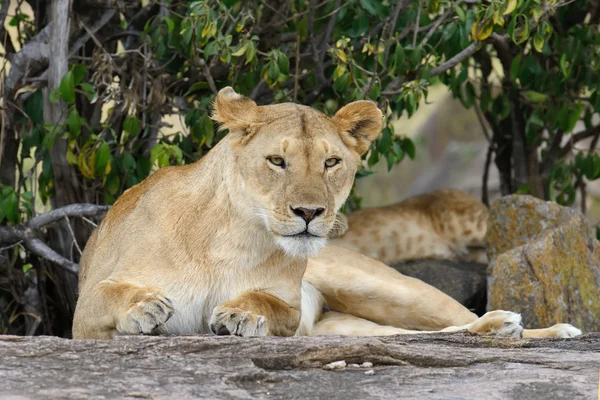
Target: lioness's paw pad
150	311
237	322
501	323
564	331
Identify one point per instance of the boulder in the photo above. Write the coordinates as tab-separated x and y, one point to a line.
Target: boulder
439	366
465	282
519	219
544	263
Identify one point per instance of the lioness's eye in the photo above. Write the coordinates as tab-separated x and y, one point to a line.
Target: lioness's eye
331	162
277	161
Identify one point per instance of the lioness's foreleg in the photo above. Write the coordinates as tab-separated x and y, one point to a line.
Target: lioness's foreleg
119	307
255	314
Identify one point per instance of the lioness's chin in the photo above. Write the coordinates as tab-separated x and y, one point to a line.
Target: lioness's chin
300	246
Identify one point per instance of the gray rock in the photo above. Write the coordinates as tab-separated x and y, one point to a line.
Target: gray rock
440	366
464	281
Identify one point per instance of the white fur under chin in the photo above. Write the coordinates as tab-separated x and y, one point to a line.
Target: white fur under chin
298	246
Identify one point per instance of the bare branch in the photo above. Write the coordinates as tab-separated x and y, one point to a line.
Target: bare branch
40	249
26	234
73	210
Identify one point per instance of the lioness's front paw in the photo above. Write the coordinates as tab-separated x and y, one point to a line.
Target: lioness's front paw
150	311
235	321
502	323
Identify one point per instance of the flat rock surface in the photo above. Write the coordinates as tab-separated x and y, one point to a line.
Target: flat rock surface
440	366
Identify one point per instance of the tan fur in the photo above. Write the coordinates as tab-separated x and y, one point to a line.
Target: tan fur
445	224
214	246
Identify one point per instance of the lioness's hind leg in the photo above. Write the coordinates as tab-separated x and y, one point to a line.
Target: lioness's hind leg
556	331
501	323
119	307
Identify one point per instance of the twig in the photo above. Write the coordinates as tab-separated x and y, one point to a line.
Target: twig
481	119
89	221
329	30
316	55
486	172
434	28
208	75
297	69
390	24
73	235
414	43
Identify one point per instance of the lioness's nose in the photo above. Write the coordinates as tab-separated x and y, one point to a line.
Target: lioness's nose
308	214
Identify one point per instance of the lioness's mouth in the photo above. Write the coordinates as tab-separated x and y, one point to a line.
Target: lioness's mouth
304	234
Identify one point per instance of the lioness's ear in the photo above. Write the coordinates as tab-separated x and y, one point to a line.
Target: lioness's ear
359	123
233	111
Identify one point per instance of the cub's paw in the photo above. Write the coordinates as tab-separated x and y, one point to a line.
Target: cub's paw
501	323
150	310
340	226
237	322
563	331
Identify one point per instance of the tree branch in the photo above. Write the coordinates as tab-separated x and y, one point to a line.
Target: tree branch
576	137
28	231
394	86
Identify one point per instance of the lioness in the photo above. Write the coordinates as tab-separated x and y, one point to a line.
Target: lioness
223	245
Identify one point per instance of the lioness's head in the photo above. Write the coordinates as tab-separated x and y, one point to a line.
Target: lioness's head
296	164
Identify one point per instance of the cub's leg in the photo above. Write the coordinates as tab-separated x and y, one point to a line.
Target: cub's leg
255	314
502	323
111	308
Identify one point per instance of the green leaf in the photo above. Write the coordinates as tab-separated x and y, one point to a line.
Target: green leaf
26	268
74	122
369	6
535	97
273	70
284	64
563	65
131	125
573	117
89	90
128	162
79	71
102	161
170	24
515	66
538	43
520	28
197	86
461	14
67	88
409	148
399	59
